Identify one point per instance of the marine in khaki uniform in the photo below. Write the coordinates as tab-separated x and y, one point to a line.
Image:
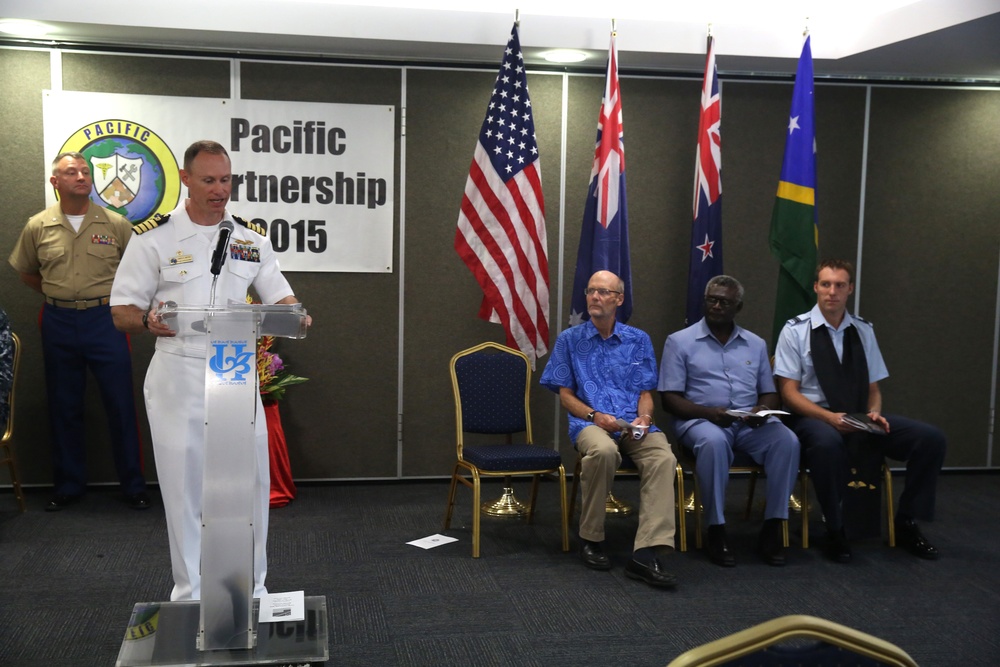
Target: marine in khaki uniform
69	253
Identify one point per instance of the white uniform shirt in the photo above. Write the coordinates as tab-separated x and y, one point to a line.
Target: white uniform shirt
793	355
171	262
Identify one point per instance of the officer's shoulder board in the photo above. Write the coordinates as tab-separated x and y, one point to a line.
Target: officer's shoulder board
798	319
152	223
863	321
252	226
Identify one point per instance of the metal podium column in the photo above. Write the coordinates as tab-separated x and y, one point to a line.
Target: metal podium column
230	483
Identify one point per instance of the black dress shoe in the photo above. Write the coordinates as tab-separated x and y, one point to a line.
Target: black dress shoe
138	501
837	549
770	544
593	556
718	548
59	501
908	536
651	572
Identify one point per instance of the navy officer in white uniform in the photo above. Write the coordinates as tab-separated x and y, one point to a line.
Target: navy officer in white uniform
169	260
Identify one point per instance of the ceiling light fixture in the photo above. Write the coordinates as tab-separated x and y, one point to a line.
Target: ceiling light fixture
22	28
564	56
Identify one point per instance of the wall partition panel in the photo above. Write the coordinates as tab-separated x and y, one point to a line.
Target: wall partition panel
930	256
445	111
145	75
661	129
342	423
754	127
23	76
90	72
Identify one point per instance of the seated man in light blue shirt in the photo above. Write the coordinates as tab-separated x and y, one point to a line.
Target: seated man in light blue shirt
605	372
828	365
708	369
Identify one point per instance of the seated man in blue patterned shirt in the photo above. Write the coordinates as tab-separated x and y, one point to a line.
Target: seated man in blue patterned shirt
605	372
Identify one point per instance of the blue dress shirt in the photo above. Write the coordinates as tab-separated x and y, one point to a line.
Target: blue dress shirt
608	374
793	355
709	373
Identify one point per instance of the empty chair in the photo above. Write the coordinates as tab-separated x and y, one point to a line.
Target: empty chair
492	385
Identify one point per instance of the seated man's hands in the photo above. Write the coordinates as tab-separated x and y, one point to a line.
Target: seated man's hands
755	422
721	418
608	422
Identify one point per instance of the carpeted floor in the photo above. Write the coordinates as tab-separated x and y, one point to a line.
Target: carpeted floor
72	577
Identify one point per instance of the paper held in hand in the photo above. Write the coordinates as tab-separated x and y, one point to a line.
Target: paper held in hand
637	432
863	422
749	413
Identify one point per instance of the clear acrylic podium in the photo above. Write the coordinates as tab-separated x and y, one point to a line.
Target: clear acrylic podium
226	632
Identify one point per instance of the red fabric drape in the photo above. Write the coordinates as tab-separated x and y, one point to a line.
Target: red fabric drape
282	485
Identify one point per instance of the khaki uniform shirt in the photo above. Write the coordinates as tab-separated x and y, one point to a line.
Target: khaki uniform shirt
73	265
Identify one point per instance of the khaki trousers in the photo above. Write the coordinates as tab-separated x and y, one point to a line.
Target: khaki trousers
657	465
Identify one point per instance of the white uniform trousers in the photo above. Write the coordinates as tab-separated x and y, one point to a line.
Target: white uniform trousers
175	404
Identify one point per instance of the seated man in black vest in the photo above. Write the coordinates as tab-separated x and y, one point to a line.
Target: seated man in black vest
827	366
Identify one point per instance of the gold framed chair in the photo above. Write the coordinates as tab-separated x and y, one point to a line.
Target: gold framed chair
890	512
743	463
8	432
492	389
628	467
833	644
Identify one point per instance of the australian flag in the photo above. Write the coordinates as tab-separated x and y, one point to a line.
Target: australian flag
706	232
604	238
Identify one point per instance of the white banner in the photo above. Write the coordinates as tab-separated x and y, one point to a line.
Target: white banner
319	177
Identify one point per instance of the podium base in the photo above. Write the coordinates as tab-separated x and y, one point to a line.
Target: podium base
165	633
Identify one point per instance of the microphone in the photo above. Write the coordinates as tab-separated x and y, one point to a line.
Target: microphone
219	256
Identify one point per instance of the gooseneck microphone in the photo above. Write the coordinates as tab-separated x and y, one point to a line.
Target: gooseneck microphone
219	256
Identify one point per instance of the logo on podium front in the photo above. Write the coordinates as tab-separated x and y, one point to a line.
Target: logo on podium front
232	361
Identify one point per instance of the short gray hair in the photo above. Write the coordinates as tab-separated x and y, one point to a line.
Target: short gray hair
727	282
65	154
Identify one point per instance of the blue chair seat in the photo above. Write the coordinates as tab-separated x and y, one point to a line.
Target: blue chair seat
511	457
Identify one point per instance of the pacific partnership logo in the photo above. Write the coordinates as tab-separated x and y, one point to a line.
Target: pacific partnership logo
135	173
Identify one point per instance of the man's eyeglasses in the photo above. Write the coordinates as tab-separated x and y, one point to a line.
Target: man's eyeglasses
600	291
719	301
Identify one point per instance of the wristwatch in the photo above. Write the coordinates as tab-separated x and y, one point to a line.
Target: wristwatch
145	319
590	415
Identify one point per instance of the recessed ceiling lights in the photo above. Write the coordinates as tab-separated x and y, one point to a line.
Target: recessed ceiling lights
564	56
23	28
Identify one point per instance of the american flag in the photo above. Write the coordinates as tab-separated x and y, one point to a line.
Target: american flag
501	226
706	232
604	238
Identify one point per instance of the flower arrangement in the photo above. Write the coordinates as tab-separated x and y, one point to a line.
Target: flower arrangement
271	373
